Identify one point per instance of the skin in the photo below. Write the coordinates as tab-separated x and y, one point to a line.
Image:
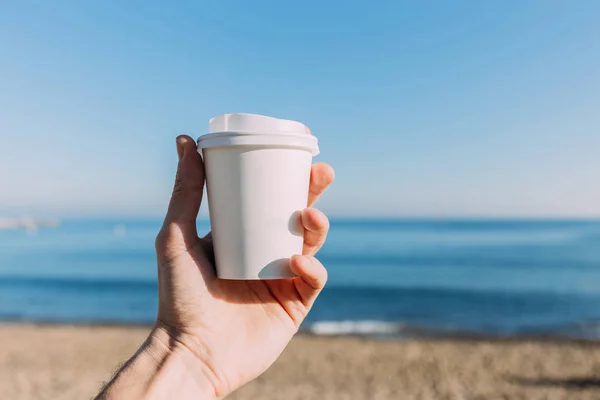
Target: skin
212	336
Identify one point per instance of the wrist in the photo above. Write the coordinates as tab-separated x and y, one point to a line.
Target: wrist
162	368
179	364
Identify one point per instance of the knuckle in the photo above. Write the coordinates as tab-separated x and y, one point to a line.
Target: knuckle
179	184
160	240
185	182
166	236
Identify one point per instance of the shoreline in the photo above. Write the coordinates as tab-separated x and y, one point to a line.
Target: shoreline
410	334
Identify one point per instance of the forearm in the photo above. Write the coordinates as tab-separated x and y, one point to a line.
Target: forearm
159	370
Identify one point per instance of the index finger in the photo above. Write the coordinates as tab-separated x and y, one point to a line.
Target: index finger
321	176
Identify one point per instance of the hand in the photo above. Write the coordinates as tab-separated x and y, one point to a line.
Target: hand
234	329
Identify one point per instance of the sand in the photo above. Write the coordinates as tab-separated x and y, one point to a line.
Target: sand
65	362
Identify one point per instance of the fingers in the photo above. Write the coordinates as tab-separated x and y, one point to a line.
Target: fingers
189	183
316	226
311	278
321	176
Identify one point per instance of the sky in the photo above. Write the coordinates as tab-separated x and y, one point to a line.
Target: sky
424	108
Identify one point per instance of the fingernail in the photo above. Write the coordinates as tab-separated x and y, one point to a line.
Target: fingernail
180	146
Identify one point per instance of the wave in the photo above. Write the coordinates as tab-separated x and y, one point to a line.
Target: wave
468	260
387	329
366	328
586	331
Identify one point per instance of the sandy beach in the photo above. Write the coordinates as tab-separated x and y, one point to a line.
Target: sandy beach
66	362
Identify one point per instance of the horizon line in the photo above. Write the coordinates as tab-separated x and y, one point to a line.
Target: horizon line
345	217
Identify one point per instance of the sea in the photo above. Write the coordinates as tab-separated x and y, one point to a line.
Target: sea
387	278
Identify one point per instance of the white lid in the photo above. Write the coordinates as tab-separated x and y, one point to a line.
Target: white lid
254	123
252	129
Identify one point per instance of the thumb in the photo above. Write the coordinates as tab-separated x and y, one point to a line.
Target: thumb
189	184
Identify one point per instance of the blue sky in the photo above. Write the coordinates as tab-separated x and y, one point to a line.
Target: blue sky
431	108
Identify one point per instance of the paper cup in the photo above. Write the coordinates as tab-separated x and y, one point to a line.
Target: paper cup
257	176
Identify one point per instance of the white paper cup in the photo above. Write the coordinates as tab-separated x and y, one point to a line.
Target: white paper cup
257	177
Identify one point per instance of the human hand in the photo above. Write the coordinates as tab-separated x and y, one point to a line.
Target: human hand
234	330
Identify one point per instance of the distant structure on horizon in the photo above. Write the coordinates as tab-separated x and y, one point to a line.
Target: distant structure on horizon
27	223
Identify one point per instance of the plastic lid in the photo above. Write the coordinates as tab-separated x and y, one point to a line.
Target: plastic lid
253	123
257	130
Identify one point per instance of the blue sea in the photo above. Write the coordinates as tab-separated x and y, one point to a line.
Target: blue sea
386	277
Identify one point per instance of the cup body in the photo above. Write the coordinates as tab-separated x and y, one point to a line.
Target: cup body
255	195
